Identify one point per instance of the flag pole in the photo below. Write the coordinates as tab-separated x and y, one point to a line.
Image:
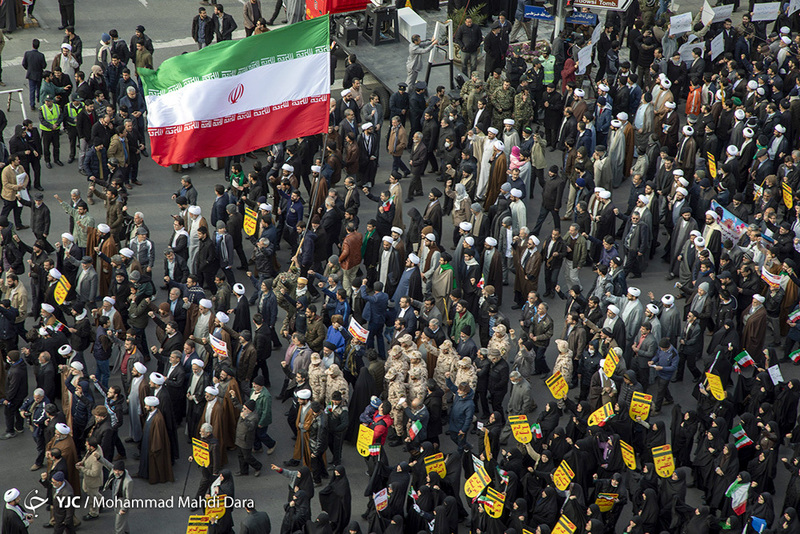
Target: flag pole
313	200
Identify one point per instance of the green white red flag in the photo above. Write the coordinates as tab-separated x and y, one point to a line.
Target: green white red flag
238	96
738	495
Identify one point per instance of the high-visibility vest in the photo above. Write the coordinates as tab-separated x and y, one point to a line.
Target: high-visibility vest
548	65
72	114
51	115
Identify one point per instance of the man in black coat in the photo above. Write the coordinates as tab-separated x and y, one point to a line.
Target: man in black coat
498	379
208	29
46	375
234	229
224	25
552	193
254	522
63	511
368	150
34	64
553	104
175	266
16	391
495	45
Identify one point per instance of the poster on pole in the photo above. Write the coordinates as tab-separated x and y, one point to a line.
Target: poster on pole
598	31
767	11
680	24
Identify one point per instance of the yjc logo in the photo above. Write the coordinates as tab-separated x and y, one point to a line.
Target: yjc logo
33	502
236	94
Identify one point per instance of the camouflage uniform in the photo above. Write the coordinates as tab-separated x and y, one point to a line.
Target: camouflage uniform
397	360
469	85
502	343
417	363
416	387
336	382
466	373
397	390
430	354
492	85
502	99
523	111
287	279
446	363
317	378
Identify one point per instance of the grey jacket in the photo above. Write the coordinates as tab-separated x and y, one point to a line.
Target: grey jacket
416	55
246	431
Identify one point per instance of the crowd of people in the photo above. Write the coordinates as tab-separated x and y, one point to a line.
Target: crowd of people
388	323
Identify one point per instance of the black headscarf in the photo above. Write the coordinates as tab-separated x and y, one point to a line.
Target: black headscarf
786	404
335	499
699	522
322	525
546	509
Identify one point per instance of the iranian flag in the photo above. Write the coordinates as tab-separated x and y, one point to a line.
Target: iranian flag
794	316
537	430
238	96
741	437
414	429
743	359
738	494
795	356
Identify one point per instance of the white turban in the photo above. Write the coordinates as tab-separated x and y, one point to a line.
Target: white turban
739	114
613	309
64	350
366	126
430	237
759	298
238	289
194	210
498	145
211	390
682	191
492	242
615	123
414	258
667	300
78	366
139	366
304	394
634	291
699	241
287	167
397	230
670	105
206	303
652	308
732	150
151	401
605	195
157	379
780	128
128	253
466	226
688	131
55	273
510	122
11	495
622	116
493	130
642	199
61	428
223	317
752	85
388	239
580	93
748	132
516	193
713	214
104	228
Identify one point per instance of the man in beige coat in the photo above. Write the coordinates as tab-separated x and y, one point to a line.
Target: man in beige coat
91	470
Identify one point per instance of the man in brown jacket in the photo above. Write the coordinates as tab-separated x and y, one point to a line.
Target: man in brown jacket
114	214
398	140
252	12
315	329
10	188
350	257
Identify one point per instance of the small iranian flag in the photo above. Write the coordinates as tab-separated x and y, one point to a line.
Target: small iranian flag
795	356
738	494
503	475
237	96
743	359
374	450
414	429
741	437
537	429
412	493
482	499
794	316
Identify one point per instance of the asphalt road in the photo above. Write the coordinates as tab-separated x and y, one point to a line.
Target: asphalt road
168	24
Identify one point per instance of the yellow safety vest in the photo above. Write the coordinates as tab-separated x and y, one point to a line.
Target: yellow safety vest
72	114
50	115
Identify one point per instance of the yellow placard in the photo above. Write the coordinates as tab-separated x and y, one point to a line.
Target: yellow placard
435	463
486	445
522	432
712	164
610	363
215	507
250	223
476	483
601	415
198	524
788	200
663	460
557	385
62	288
628	455
200	452
640	405
563	475
498	501
715	386
605	501
364	440
564	526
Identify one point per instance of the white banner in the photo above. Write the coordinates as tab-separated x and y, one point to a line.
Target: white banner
717	45
766	11
358	331
680	24
794	5
584	59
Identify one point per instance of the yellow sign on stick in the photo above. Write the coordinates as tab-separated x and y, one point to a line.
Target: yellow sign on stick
715	386
640	405
628	455
663	460
200	452
364	440
476	483
557	385
250	224
498	501
435	462
563	475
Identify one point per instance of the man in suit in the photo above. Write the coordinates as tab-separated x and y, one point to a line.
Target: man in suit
176	384
419	158
554	250
483	117
173	340
34	64
63	511
433	212
174	267
374	314
224	25
46	375
196	383
691	348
